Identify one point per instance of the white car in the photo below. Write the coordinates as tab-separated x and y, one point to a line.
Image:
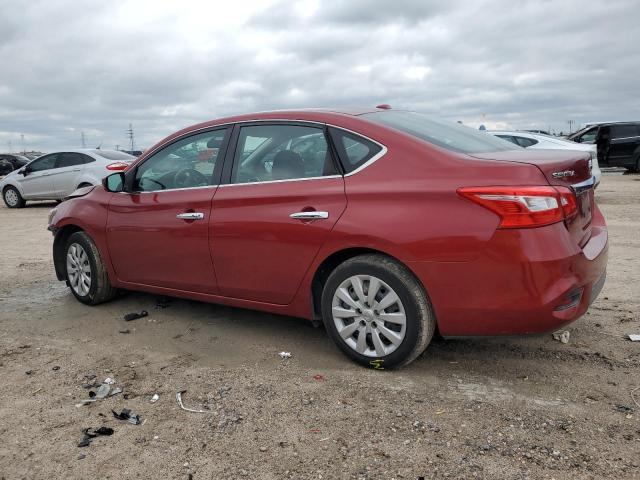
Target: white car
56	175
547	142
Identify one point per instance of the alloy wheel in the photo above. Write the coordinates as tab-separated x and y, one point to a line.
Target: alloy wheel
369	315
78	269
11	197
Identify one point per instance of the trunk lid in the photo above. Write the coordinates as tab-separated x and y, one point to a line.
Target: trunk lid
562	168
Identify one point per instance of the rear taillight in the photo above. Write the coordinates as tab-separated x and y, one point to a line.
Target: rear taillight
117	166
524	207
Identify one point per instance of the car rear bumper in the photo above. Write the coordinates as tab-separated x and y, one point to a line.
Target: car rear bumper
524	282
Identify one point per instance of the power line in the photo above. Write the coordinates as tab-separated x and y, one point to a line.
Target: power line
130	136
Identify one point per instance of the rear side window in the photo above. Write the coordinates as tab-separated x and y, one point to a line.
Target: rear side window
525	142
447	135
622	131
71	159
353	150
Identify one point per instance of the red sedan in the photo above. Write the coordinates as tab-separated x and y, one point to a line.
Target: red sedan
384	224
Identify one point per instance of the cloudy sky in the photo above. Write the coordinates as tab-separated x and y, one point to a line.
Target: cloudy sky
68	67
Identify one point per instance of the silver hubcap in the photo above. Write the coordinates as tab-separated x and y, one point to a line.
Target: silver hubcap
11	197
78	269
369	316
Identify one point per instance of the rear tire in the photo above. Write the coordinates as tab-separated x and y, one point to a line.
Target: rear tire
85	272
12	197
387	329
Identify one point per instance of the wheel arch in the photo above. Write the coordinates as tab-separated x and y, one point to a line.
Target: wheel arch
330	263
59	242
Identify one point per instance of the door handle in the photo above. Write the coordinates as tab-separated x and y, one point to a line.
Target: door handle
312	215
190	216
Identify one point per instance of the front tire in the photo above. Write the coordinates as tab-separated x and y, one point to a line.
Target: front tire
85	272
377	312
12	197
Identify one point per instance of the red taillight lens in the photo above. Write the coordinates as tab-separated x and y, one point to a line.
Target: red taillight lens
524	207
117	166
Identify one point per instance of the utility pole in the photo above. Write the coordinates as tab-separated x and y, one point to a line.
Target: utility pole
84	142
10	147
130	136
117	147
22	142
570	122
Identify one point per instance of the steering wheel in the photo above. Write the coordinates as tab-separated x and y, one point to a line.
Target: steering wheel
189	177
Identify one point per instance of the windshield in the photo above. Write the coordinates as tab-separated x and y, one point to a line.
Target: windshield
114	155
451	136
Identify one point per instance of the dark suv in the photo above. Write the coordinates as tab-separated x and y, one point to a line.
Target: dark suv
10	162
618	143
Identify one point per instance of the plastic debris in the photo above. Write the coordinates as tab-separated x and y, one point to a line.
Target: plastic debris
84	402
318	377
634	338
285	354
125	330
155	398
561	336
109	381
179	400
55	368
103	391
127	415
623	408
88	434
135	315
115	391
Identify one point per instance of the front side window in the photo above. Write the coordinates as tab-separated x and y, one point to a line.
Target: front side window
281	152
589	136
187	163
447	135
44	163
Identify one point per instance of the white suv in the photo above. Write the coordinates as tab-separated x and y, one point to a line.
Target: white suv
57	175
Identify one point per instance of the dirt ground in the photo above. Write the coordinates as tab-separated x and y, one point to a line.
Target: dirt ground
508	408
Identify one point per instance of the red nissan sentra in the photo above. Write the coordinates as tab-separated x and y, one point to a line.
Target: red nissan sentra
385	224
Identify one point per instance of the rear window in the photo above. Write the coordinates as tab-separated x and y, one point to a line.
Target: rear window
448	135
113	155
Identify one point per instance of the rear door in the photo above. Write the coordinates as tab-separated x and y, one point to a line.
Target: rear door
283	196
68	169
158	234
38	183
623	143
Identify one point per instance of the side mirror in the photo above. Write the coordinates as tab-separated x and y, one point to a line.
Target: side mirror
114	183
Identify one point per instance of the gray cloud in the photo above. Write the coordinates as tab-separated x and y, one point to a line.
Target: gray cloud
69	66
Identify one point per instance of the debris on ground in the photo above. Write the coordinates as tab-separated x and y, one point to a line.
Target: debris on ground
128	415
223	390
285	354
102	392
124	330
56	368
179	400
634	337
88	434
155	398
109	381
135	315
561	336
115	391
163	302
623	408
28	372
318	377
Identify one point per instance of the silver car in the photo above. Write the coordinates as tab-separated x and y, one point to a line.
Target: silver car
56	175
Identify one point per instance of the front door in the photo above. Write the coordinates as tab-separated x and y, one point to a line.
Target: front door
268	223
67	173
38	183
158	234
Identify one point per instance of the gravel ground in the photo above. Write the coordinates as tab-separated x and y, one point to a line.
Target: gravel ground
509	408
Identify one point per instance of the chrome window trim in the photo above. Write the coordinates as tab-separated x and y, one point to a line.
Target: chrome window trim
369	162
170	189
